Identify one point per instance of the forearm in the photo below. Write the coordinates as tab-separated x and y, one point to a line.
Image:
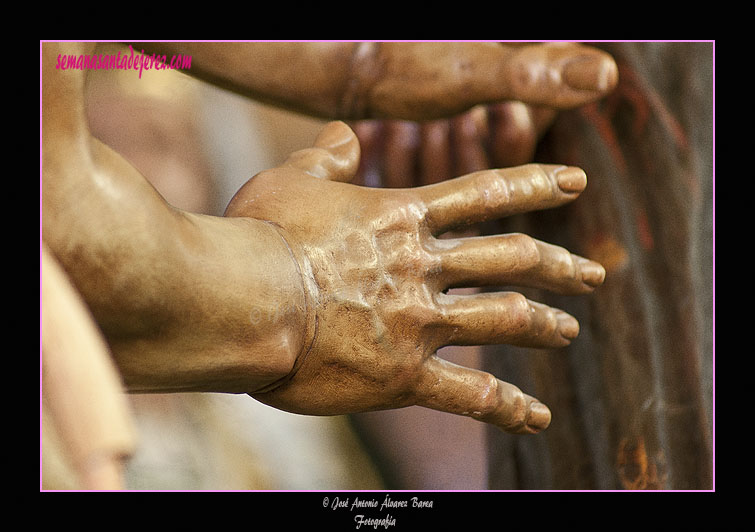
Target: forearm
233	316
308	77
186	302
409	81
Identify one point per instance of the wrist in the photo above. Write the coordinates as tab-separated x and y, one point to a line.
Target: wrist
238	317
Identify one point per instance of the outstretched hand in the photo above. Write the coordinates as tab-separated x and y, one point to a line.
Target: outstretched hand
377	276
424	81
509	113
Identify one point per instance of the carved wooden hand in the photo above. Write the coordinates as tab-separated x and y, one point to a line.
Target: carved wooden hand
376	278
519	89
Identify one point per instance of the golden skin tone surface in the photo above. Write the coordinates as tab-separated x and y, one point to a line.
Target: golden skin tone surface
411	81
312	294
377	277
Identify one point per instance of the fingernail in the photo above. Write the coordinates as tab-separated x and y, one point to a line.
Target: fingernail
590	73
571	179
539	416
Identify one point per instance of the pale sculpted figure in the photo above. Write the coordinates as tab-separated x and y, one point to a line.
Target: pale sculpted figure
312	294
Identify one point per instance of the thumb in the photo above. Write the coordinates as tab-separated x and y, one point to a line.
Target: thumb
334	155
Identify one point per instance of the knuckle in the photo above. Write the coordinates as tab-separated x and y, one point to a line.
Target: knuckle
528	252
489	398
418	314
421	265
542	179
520	312
537	173
502	404
550	323
517	416
566	265
492	188
407	376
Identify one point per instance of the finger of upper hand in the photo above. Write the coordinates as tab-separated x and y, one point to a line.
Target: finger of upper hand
559	75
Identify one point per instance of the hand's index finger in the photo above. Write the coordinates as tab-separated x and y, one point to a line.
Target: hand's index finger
493	194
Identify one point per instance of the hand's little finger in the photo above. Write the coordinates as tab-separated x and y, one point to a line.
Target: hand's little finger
450	388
